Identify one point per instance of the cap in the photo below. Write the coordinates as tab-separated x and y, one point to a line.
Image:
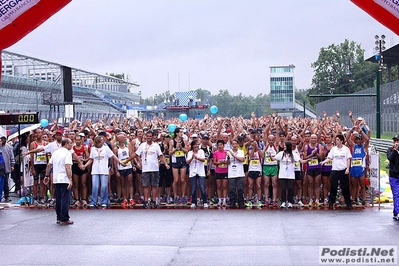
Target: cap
359	136
205	136
194	135
102	133
81	134
396	137
360	118
58	131
2	136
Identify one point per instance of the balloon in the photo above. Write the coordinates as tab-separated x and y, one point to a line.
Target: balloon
214	109
171	128
183	117
44	122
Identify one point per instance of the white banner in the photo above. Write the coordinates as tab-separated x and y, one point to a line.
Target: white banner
11	9
392	6
374	170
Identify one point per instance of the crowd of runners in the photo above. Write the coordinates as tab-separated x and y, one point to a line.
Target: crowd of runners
235	162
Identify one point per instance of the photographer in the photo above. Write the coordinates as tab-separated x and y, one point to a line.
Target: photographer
393	157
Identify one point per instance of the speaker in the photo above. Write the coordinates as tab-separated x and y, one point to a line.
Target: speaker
67	84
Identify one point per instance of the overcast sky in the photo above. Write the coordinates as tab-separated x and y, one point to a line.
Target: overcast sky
211	44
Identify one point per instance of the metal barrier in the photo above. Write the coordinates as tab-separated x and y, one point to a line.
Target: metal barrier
381	145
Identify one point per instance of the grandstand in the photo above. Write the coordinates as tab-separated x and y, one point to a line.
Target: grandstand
31	84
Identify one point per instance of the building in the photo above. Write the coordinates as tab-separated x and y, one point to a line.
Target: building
282	92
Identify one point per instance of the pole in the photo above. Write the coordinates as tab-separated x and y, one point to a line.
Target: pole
304	109
378	104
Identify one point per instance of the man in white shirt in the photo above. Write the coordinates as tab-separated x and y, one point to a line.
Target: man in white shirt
150	152
61	162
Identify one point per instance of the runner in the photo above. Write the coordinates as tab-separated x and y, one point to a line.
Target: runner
236	176
221	160
254	174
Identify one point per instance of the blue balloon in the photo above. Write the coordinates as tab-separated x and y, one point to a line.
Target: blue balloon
214	109
183	117
44	122
171	128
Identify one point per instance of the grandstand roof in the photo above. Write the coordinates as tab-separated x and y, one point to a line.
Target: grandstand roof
390	56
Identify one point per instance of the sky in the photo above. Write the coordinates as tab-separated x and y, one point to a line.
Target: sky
184	45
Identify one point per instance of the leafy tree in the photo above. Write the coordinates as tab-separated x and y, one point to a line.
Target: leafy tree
341	69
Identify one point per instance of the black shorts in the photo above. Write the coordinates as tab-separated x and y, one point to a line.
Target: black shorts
246	167
254	174
77	171
298	175
179	165
221	175
138	171
125	172
213	172
325	174
313	172
40	171
165	176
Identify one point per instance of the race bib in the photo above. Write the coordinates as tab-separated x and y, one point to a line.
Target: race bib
357	162
254	162
206	162
313	162
124	161
234	167
328	163
268	160
41	158
296	164
179	153
167	160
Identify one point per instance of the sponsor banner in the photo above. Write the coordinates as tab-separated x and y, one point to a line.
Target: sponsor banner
12	9
392	6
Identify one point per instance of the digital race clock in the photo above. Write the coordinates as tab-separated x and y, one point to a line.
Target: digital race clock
18	118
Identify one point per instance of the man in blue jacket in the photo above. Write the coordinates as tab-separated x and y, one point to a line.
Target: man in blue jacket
393	157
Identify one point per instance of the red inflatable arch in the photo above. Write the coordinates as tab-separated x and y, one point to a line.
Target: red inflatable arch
384	11
19	17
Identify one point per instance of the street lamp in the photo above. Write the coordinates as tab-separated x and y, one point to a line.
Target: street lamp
379	48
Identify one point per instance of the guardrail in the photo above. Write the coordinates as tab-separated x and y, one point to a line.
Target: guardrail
381	145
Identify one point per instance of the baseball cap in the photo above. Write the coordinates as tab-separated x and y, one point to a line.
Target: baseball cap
360	118
102	133
2	136
58	131
396	137
205	136
194	135
81	134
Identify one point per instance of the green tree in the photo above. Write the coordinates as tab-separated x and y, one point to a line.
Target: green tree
341	69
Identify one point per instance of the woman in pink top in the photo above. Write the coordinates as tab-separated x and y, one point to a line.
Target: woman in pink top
221	161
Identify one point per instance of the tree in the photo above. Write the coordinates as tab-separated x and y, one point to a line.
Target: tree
341	69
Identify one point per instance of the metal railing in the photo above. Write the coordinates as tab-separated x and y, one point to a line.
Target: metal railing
381	145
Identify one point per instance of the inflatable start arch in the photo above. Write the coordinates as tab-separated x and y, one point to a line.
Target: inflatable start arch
19	17
384	11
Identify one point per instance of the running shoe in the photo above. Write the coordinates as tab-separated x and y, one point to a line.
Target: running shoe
183	200
205	205
274	203
131	202
325	201
67	223
124	203
249	203
103	206
266	204
77	204
193	205
92	206
300	204
363	202
84	203
289	205
283	205
213	200
176	201
318	204
224	202
219	203
259	204
395	218
310	203
42	201
52	203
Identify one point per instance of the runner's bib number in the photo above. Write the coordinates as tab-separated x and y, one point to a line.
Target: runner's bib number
313	162
254	162
357	162
41	158
179	153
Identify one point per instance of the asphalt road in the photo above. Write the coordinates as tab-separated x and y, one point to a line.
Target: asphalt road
187	237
